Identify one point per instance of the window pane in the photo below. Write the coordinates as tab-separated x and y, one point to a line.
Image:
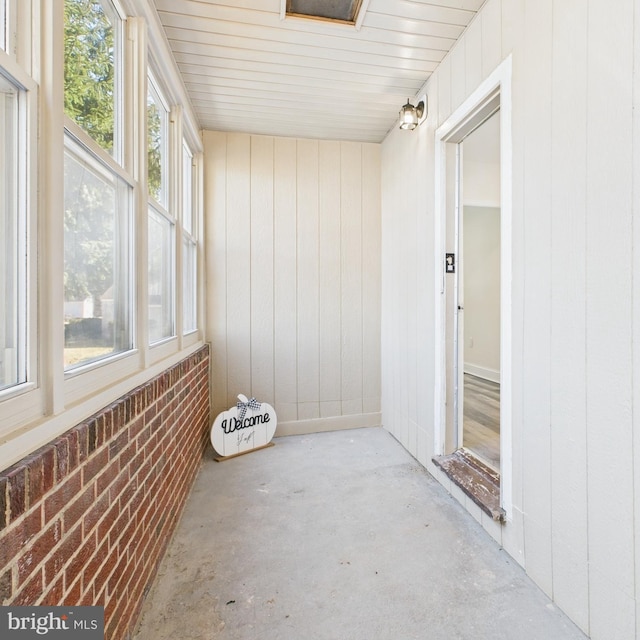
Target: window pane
157	136
90	68
97	289
160	277
12	265
189	302
187	189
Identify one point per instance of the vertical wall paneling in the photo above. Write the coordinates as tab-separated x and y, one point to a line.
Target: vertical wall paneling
351	259
491	20
513	26
458	76
473	55
608	315
238	253
330	274
443	79
294	277
636	300
216	272
371	281
575	186
568	327
262	220
308	280
537	281
285	305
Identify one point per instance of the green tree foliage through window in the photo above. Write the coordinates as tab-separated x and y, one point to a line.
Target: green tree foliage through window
154	144
89	70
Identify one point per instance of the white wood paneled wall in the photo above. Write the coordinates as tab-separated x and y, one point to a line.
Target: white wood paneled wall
575	292
293	277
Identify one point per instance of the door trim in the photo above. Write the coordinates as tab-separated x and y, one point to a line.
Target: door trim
462	121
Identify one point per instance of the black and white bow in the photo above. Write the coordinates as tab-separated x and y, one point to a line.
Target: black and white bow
252	404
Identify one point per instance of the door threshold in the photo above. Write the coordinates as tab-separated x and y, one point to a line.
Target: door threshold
477	480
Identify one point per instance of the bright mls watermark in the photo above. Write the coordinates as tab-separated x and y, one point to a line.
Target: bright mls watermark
52	623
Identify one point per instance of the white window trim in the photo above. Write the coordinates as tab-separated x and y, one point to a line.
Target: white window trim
47	406
24	401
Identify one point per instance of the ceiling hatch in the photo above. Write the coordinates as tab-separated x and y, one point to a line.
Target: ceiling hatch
345	11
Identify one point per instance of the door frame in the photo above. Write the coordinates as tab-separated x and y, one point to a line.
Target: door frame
463	120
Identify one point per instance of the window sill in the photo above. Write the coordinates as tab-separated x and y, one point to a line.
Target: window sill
478	481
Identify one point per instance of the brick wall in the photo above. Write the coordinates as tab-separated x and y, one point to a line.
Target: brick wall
86	519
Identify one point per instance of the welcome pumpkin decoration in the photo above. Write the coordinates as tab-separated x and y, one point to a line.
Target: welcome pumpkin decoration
248	426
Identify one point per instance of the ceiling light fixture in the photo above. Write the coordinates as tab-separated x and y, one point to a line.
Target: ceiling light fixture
411	116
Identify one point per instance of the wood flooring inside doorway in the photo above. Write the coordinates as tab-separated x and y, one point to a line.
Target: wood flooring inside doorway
482	419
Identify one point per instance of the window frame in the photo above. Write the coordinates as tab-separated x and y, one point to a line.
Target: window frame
24	402
51	402
189	236
87	149
101	165
120	67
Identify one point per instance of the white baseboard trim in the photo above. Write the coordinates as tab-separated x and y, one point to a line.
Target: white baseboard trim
335	423
482	372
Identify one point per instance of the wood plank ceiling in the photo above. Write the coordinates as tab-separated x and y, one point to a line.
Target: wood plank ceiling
247	69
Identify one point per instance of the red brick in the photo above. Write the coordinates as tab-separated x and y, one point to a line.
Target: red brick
103	481
118	573
16	484
100	438
108	423
62	554
91	569
107	522
78	506
18	535
136	427
92	436
6	586
72	598
3	503
95	513
73	439
61	448
35	478
87	599
48	468
57	501
53	593
117	445
105	572
118	527
82	433
30	593
81	558
38	550
94	465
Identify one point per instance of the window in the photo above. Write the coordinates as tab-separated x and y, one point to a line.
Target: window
161	269
161	225
92	60
97	196
97	262
189	245
157	141
13	239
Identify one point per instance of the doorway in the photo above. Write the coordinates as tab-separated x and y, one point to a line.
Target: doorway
473	412
478	308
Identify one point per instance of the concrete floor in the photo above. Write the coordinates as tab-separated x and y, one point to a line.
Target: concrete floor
337	536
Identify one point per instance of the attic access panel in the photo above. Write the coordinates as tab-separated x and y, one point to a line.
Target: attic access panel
336	10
